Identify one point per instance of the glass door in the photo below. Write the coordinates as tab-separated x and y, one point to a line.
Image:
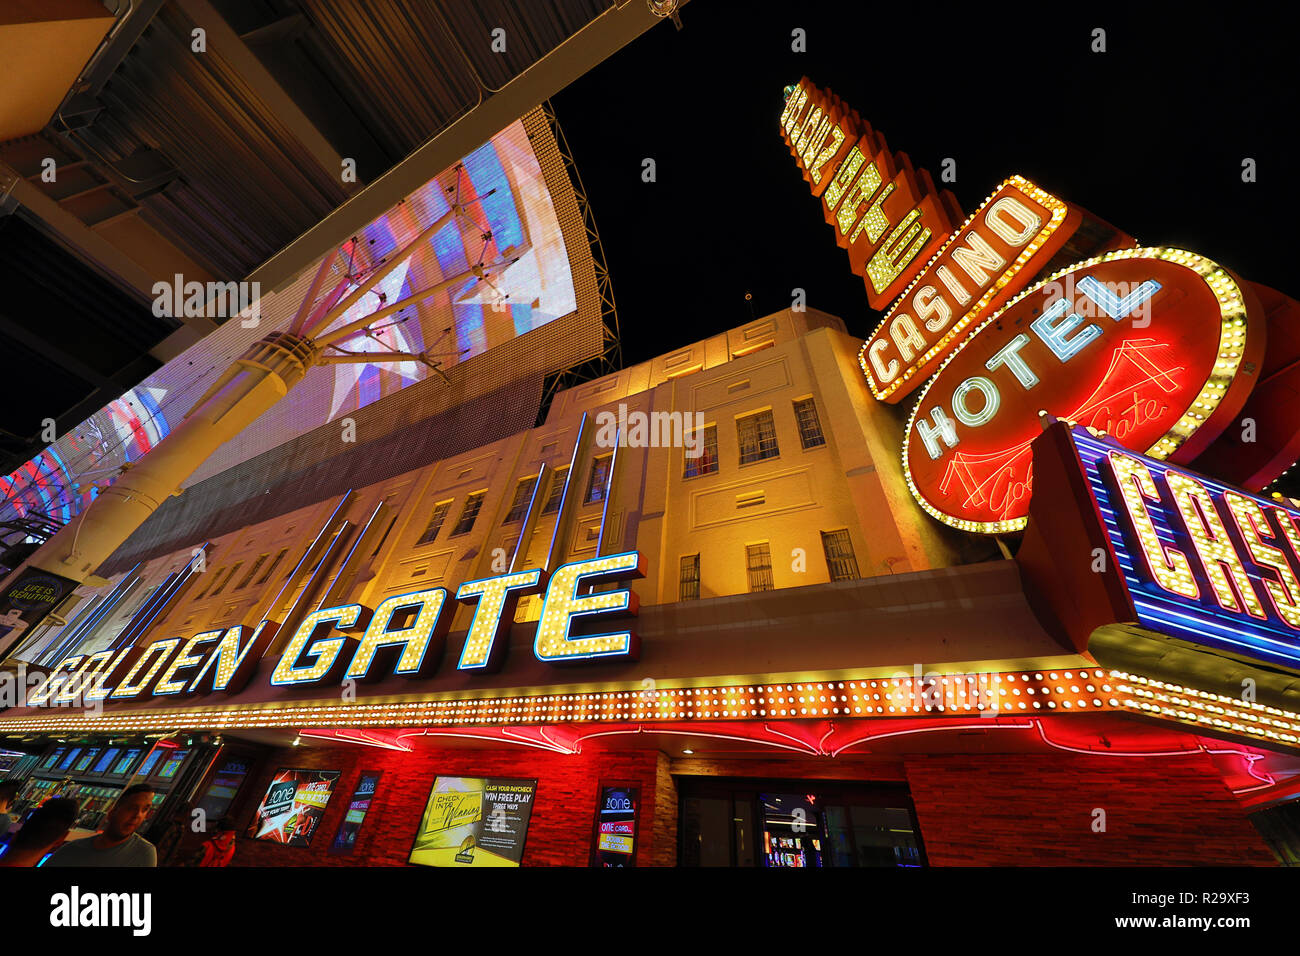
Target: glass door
792	830
782	824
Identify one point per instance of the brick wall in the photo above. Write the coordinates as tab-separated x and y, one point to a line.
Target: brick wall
559	832
1037	810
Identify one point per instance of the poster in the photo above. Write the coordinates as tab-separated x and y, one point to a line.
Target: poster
345	840
25	602
616	826
474	821
293	806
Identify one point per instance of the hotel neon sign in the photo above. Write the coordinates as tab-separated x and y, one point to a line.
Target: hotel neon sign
1155	346
352	642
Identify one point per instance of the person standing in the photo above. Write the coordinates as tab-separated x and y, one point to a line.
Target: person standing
218	849
118	844
46	827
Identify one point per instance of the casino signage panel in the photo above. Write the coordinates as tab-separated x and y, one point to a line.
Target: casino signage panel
1122	538
1158	347
887	215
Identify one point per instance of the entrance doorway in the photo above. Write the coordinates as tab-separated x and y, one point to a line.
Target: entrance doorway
780	824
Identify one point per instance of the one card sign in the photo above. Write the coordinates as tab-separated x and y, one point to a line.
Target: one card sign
474	821
616	814
345	840
293	806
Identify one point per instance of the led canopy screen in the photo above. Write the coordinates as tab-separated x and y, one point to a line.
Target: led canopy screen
512	231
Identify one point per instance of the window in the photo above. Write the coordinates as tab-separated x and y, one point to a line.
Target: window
229	577
472	504
435	521
758	562
389	503
689	589
266	575
757	434
216	575
840	559
810	426
557	491
598	480
261	559
707	462
523	497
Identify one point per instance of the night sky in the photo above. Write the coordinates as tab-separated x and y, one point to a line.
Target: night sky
1149	135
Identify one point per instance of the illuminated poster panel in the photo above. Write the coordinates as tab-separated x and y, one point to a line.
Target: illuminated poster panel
293	806
345	840
616	819
474	821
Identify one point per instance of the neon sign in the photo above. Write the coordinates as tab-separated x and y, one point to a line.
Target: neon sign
1157	347
1201	561
404	636
994	255
888	216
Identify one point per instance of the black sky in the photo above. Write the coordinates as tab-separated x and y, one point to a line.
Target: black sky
1149	135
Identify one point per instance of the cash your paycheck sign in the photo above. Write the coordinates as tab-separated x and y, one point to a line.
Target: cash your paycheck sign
404	636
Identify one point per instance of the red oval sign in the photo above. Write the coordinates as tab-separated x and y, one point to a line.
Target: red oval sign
1143	344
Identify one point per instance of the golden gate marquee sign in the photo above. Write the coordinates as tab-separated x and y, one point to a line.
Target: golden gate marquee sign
403	636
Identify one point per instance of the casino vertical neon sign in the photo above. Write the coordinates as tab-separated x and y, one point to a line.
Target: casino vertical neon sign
1201	561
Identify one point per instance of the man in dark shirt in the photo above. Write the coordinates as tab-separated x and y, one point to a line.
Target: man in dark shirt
118	844
48	824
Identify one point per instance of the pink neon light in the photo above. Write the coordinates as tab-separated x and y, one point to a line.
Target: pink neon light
498	739
928	730
1249	758
361	737
699	733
